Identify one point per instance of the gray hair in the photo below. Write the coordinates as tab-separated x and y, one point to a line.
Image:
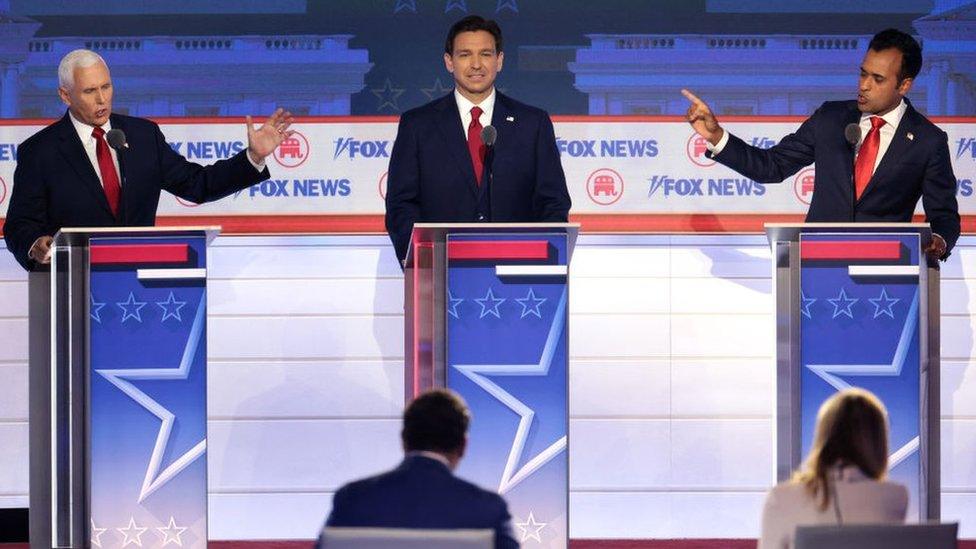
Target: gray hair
77	59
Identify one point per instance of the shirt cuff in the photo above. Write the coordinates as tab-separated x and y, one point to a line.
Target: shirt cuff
718	147
258	167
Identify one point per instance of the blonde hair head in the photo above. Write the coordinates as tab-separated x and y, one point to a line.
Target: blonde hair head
852	430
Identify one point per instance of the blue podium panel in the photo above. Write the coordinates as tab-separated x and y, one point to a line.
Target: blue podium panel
859	326
148	408
507	356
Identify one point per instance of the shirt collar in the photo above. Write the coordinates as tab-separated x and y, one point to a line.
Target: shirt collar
893	118
465	105
431	455
85	130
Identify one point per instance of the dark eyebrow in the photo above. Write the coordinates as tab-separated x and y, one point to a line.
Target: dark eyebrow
874	74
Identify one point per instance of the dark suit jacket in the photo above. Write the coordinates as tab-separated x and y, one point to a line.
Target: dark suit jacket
421	493
432	180
55	184
911	168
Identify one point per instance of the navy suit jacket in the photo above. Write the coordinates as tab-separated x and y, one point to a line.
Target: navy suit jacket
55	184
431	178
916	165
421	493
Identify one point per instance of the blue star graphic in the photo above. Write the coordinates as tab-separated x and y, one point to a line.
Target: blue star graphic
453	304
807	301
490	309
437	90
171	308
456	4
131	308
885	309
532	309
507	4
844	309
405	5
95	309
154	479
388	96
478	373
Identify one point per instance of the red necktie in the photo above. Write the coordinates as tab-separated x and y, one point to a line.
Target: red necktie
475	146
864	165
110	178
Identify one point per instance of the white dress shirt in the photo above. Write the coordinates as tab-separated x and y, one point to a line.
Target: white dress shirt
464	109
860	500
89	143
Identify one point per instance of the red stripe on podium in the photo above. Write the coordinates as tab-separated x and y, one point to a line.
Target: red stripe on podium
139	254
852	249
498	249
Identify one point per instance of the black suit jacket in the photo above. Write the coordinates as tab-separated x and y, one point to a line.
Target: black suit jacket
431	178
421	493
916	165
55	184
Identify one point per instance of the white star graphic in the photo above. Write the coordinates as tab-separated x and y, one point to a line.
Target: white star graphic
807	301
131	308
153	481
456	4
885	309
171	533
532	309
507	4
95	309
405	5
845	308
477	372
490	309
531	529
96	534
171	308
453	304
831	372
388	95
132	533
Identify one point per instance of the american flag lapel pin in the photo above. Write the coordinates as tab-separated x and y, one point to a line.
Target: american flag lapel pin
510	119
910	136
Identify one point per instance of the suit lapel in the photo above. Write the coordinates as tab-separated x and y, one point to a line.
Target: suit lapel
449	124
897	149
504	122
74	154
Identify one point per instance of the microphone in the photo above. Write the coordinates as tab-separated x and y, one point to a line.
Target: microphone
853	134
116	139
488	136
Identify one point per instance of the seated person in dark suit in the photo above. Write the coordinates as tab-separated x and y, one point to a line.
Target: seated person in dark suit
422	492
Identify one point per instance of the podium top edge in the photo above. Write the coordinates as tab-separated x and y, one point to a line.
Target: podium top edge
496	225
858	226
78	236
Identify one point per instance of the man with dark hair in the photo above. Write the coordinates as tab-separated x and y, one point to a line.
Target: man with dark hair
441	170
422	491
875	157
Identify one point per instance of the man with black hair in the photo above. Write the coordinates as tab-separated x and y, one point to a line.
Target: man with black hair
422	492
876	174
441	170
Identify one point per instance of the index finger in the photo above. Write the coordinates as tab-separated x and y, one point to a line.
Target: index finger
692	97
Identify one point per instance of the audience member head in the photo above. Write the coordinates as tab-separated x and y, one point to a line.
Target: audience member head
437	421
852	430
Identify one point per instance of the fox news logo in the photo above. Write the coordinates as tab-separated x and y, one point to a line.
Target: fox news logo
966	147
666	185
355	148
607	148
293	151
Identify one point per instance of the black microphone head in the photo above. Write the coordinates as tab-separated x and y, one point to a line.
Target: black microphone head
853	134
116	139
488	135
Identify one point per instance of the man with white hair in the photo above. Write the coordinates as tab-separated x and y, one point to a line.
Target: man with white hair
68	176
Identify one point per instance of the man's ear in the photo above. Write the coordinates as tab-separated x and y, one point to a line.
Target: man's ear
905	86
65	97
448	63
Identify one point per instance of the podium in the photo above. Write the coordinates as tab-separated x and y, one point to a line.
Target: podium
858	305
487	310
117	389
